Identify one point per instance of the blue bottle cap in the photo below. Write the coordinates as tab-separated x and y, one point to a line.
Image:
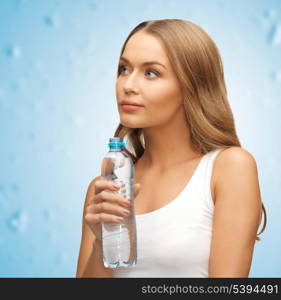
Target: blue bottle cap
116	143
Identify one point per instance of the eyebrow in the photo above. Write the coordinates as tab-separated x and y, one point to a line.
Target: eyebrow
145	63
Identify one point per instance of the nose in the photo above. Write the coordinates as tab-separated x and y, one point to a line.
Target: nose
130	84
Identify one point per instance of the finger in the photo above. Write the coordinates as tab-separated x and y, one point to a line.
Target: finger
93	219
108	208
102	184
112	198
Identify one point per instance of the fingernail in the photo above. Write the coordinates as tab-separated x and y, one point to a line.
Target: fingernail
126	212
116	186
127	203
119	219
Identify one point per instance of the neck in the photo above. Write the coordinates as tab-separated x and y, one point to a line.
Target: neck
167	146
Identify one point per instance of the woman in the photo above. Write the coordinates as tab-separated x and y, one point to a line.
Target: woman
198	205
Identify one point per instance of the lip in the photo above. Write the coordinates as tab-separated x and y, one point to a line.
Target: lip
130	103
130	108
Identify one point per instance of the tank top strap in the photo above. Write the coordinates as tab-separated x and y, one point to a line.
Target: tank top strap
207	170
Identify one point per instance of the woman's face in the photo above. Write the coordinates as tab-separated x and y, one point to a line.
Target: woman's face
152	85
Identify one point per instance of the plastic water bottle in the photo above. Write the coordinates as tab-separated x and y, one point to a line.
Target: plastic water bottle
119	240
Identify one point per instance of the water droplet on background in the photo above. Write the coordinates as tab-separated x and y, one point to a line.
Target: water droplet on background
17	85
93	5
52	21
31	136
277	76
15	188
13	51
257	22
17	221
269	13
274	36
47	214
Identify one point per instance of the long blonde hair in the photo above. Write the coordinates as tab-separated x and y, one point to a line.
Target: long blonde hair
199	70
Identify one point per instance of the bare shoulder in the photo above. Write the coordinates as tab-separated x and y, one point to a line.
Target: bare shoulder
235	158
232	165
235	155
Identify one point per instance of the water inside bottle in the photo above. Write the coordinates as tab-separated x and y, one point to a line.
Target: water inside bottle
121	237
119	240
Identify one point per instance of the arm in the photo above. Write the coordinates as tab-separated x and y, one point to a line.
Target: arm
90	263
237	214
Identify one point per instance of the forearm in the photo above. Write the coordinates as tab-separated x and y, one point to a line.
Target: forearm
94	266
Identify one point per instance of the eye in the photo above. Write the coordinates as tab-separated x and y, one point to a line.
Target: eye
152	72
121	69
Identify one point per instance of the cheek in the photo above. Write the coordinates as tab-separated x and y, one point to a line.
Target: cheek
163	95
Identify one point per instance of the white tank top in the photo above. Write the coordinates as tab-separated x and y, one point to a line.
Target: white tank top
174	240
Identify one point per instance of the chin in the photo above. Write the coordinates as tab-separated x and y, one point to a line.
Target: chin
129	124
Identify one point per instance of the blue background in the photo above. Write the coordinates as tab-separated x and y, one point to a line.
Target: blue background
58	62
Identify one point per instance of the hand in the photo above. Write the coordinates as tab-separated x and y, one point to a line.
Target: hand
107	205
